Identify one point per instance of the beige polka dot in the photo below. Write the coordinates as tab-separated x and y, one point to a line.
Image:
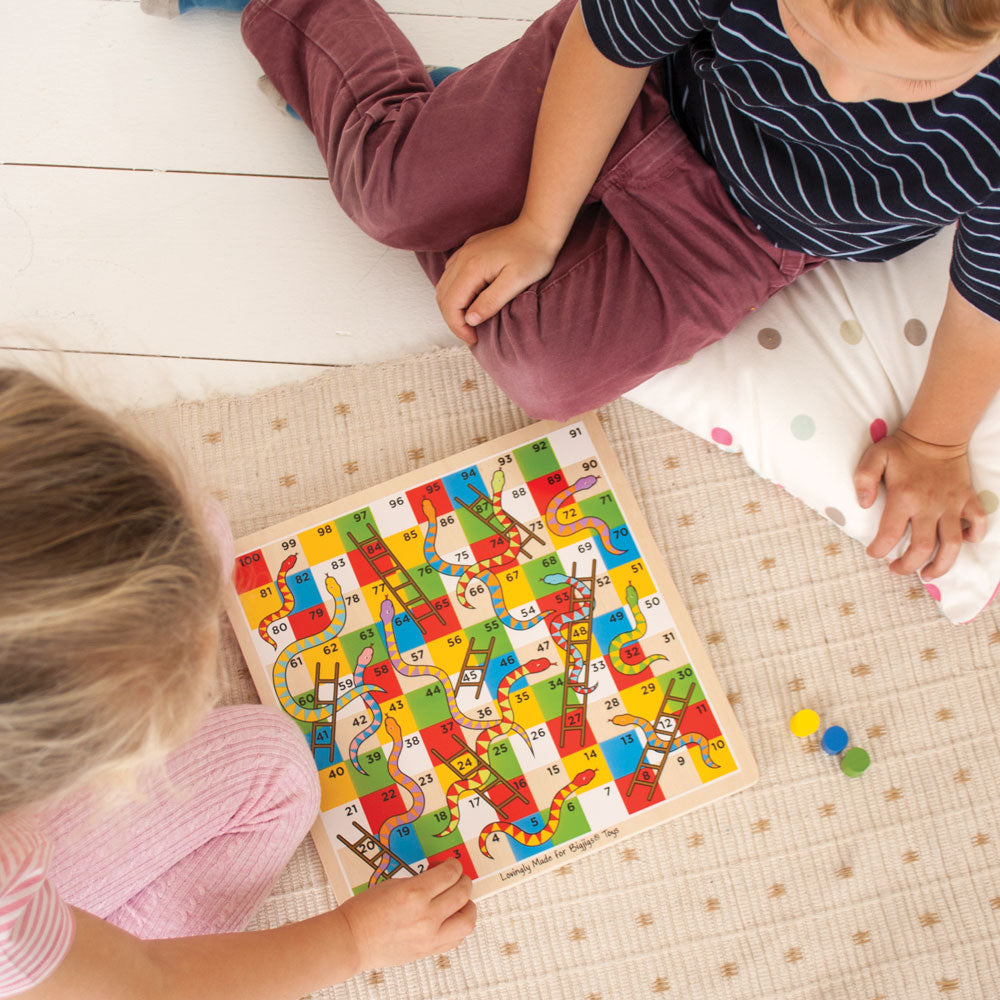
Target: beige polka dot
851	331
989	501
769	338
915	332
836	516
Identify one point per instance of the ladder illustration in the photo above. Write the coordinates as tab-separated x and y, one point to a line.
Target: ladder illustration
317	743
667	726
405	589
490	520
464	750
368	842
474	664
580	637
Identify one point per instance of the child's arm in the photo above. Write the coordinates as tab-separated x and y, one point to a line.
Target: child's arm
924	463
586	101
395	922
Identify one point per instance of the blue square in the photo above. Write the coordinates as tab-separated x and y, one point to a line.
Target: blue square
405	844
459	485
529	824
322	755
304	589
408	634
621	538
611	625
624	752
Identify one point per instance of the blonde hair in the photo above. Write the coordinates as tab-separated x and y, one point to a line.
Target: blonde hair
934	23
110	596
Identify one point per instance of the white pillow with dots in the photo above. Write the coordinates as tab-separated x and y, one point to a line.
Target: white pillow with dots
813	376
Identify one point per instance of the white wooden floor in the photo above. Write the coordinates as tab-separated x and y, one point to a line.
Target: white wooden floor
165	231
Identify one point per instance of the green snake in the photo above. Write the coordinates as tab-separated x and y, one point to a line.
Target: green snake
393	823
624	638
477	781
656	743
513	831
581	523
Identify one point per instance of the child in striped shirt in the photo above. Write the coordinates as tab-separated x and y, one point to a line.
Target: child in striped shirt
108	633
632	178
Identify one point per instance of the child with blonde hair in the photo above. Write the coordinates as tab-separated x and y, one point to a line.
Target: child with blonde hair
138	829
632	178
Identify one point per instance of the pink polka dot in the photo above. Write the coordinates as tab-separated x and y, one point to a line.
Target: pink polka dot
933	591
721	436
878	429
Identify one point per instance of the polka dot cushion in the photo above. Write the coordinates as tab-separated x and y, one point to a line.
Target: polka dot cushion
828	365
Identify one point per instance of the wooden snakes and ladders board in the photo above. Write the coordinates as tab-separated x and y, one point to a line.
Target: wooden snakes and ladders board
489	660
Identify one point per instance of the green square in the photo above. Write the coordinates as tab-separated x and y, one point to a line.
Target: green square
682	678
536	459
375	763
504	761
572	822
429	705
536	571
360	523
604	506
481	633
427	579
354	643
428	825
550	696
475	530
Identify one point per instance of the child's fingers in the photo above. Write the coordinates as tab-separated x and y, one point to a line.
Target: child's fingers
869	474
455	290
458	927
494	297
974	516
949	545
923	538
890	530
452	899
440	878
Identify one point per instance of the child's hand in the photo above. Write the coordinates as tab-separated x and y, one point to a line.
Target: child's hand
401	920
489	270
929	487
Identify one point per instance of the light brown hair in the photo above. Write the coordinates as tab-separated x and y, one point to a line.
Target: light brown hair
110	590
934	23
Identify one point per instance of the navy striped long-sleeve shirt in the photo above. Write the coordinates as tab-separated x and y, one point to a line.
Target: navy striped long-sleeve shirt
864	181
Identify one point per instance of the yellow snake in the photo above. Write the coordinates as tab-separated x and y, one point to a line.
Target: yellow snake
624	638
287	601
513	831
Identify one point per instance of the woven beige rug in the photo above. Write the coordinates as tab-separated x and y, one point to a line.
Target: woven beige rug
809	885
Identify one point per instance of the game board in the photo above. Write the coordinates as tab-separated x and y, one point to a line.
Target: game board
489	660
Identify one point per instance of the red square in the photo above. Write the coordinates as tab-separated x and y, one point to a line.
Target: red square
576	739
555	603
382	675
544	488
379	805
363	571
699	719
439	737
459	851
433	491
432	626
643	796
251	572
514	809
489	548
309	622
623	681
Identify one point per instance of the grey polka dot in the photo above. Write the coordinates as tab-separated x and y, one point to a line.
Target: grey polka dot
769	338
915	332
803	427
835	516
851	331
989	501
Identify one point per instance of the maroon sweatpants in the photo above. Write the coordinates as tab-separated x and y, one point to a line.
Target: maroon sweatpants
658	264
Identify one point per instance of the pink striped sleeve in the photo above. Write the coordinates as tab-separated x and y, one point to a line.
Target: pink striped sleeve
36	926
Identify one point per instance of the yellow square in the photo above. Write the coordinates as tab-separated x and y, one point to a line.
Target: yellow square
643	700
569	513
515	587
373	594
399	709
449	651
718	750
321	543
260	602
528	713
335	787
590	758
407	546
634	573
